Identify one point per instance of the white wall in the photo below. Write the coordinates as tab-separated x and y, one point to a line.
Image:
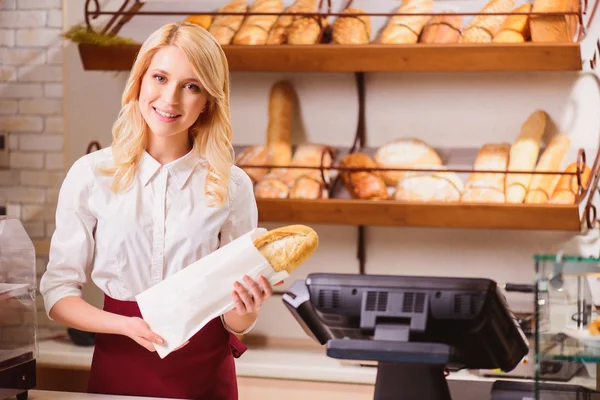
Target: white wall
445	109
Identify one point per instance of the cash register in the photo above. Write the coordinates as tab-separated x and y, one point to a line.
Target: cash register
18	312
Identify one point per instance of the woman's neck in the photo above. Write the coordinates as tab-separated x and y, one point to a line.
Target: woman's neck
168	149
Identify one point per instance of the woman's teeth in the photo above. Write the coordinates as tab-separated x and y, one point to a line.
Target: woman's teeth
165	114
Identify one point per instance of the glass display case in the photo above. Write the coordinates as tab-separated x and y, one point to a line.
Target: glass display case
18	311
567	318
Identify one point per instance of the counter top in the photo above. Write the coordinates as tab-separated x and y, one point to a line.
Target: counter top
47	395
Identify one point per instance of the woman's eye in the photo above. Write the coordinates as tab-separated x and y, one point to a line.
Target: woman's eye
159	78
193	87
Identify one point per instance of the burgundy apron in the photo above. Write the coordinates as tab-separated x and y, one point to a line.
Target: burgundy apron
203	369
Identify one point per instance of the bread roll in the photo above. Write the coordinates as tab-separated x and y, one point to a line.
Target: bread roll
403	29
279	32
224	27
405	153
523	156
255	29
483	28
442	29
271	188
306	187
200	20
487	187
352	30
365	185
515	28
306	155
551	160
279	130
567	188
254	155
554	28
288	247
418	186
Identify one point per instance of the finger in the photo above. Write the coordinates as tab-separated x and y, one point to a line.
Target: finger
246	299
268	289
147	344
257	292
154	338
239	304
278	283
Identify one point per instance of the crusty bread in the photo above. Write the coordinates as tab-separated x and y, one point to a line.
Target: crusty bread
405	153
271	188
442	29
352	29
404	29
254	155
282	99
488	187
279	32
306	187
542	186
554	28
523	156
288	247
419	186
255	29
224	27
567	188
515	28
365	185
200	20
483	28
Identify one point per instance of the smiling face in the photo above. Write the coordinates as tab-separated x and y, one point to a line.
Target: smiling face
171	98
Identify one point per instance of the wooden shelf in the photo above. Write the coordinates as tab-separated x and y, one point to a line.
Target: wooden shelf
368	58
439	215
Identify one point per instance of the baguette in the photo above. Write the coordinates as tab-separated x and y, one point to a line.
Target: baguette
255	29
224	27
279	129
200	20
306	187
352	30
306	31
288	247
515	28
366	185
405	153
483	28
442	29
254	155
542	186
567	188
554	28
279	32
403	29
487	187
523	156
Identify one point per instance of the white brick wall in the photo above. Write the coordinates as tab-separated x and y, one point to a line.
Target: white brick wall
31	113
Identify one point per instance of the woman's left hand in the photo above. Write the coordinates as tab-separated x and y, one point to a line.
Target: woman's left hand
250	300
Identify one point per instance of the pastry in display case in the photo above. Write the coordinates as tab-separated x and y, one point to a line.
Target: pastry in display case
18	312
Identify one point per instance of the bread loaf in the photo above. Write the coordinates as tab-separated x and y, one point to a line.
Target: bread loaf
352	29
365	185
483	28
542	186
255	29
418	186
403	29
224	27
567	188
288	247
306	187
254	155
523	156
515	28
200	20
442	29
306	31
405	153
279	32
554	28
487	187
271	188
279	130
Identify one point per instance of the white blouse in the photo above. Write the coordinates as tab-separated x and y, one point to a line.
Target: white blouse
132	240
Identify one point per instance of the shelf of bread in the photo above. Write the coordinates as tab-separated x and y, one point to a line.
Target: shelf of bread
530	184
263	35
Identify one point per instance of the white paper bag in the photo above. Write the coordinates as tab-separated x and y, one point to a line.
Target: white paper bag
178	307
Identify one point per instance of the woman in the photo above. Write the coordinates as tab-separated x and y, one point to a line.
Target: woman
165	194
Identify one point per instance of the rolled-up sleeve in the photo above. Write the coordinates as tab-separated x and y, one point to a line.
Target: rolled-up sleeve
72	244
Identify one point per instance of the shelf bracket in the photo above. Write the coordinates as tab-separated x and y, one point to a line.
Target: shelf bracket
360	141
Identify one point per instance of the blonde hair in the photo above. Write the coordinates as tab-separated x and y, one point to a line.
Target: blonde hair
211	132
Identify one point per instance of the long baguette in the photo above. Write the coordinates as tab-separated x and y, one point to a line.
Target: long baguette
542	186
488	187
483	27
279	32
352	30
404	29
515	28
224	27
567	187
523	156
255	29
279	130
288	247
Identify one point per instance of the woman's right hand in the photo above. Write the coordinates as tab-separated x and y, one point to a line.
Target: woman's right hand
138	330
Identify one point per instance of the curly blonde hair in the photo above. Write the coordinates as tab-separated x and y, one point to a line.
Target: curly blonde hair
212	130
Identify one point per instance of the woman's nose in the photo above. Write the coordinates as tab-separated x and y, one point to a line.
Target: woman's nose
171	94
